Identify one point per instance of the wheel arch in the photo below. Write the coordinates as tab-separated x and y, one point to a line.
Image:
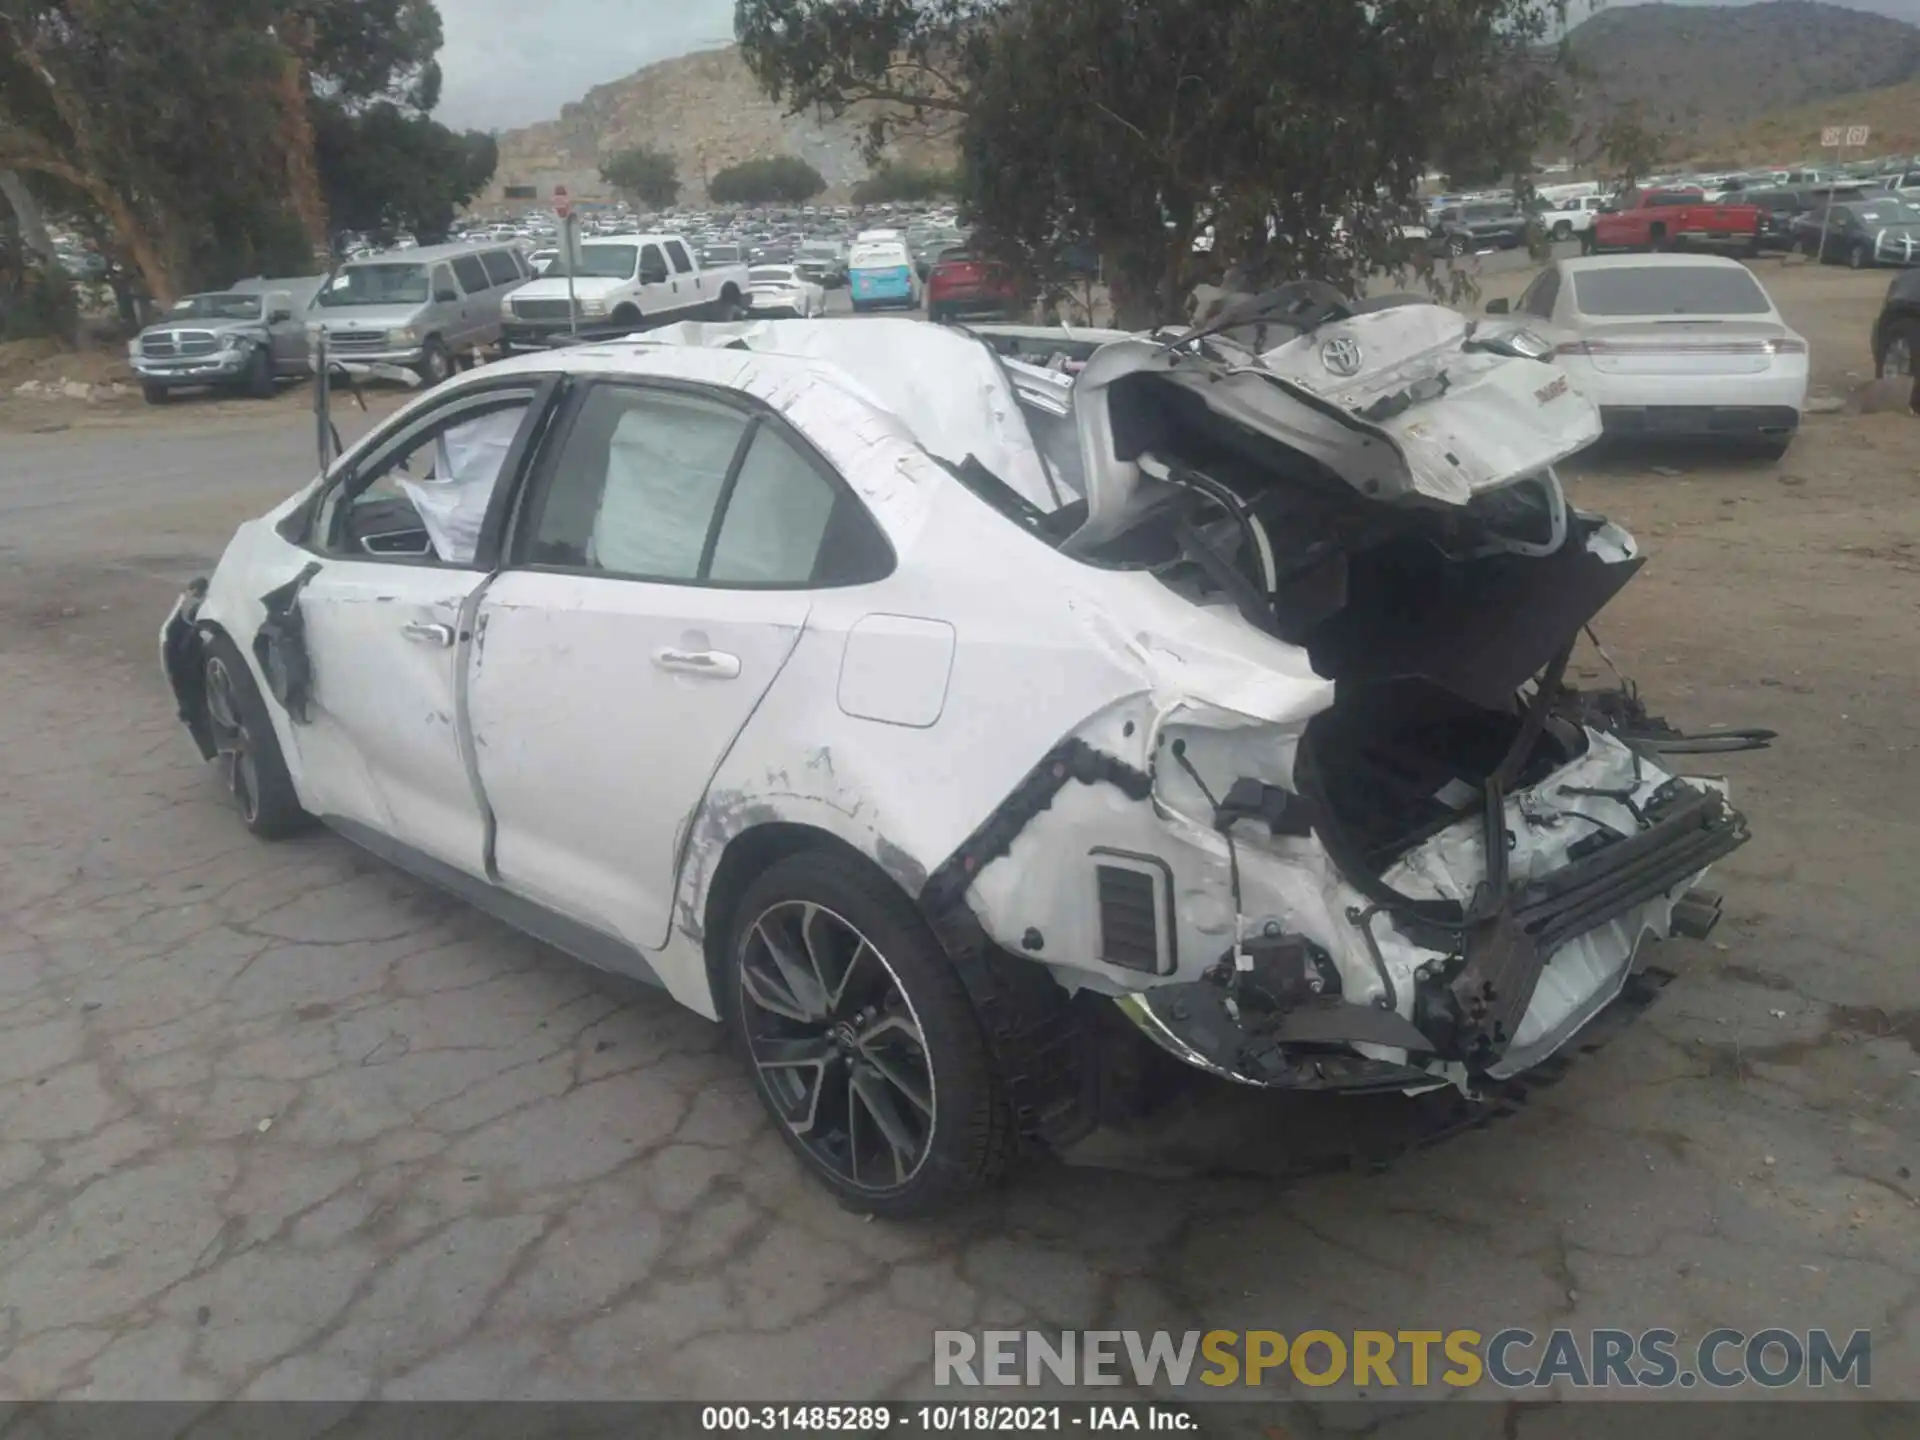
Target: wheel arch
749	854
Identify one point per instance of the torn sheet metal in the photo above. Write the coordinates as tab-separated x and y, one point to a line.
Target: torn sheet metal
1397	402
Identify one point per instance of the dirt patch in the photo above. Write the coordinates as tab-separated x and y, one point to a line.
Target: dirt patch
49	361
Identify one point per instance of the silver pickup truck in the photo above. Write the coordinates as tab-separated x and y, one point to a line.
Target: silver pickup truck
247	339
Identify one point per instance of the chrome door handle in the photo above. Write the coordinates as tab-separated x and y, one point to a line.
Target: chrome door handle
441	635
714	664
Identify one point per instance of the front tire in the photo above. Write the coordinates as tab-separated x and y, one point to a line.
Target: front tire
435	363
863	1044
1457	246
249	755
258	381
1859	257
155	394
1563	230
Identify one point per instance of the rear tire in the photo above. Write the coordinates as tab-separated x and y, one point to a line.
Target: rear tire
249	755
1772	448
845	1006
1900	354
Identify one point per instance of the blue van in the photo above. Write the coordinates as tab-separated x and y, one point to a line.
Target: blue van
880	272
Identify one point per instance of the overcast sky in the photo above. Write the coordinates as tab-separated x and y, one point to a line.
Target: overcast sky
512	62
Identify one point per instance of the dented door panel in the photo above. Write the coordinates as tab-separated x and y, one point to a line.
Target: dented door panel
600	708
382	745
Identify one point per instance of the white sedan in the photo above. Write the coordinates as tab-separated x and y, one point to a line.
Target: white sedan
782	666
1672	346
782	291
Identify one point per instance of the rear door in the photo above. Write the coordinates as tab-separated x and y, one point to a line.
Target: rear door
661	574
689	288
659	287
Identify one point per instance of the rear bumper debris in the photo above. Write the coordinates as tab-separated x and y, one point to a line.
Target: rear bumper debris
1273	1029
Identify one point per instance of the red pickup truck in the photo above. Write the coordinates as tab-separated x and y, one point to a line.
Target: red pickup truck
1671	219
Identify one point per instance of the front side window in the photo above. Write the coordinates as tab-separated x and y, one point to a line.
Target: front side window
422	494
653	265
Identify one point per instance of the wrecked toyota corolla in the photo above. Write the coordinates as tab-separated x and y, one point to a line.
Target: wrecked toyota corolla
941	721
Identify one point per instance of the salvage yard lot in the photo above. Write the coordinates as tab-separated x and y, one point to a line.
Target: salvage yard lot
279	1121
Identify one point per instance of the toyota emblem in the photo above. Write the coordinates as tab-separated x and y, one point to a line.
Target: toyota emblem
1341	356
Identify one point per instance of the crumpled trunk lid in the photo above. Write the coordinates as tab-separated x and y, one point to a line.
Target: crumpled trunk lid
1399	402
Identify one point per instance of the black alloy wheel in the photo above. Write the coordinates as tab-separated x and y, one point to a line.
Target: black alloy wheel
837	1045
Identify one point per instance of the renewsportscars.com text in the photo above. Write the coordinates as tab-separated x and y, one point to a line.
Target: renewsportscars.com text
1511	1359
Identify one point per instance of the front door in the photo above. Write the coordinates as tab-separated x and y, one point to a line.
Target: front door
387	622
661	577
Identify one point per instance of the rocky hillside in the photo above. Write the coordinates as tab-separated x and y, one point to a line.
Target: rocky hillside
705	109
1700	71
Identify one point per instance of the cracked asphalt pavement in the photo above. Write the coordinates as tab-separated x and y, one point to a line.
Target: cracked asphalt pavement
277	1121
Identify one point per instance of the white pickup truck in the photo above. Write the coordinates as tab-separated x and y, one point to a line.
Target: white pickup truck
1572	217
623	282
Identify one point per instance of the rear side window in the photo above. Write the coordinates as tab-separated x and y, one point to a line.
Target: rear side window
473	275
500	267
1670	290
775	529
663	486
677	253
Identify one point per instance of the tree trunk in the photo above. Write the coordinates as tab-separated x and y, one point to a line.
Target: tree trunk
26	210
296	139
127	225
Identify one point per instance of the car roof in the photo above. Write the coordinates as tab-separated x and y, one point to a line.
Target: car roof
1577	264
428	254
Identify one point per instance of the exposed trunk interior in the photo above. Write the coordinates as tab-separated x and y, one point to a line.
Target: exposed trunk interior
1427	617
1398	761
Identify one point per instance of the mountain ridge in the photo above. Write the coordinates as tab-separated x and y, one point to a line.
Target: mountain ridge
1697	73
